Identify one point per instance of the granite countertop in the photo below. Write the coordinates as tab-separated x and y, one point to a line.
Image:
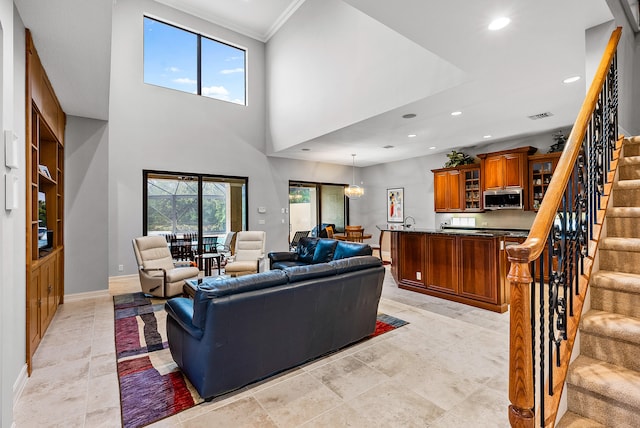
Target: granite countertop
467	231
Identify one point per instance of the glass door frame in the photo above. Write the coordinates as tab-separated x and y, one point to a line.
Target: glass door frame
318	188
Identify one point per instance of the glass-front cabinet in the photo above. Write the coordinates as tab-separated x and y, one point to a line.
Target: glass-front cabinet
541	168
472	193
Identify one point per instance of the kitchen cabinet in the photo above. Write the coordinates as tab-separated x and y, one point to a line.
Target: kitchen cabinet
443	263
457	267
541	168
413	247
506	169
446	190
457	189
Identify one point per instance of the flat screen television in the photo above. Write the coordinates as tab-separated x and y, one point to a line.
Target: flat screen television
44	237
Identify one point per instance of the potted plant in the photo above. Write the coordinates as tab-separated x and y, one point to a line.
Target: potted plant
457	158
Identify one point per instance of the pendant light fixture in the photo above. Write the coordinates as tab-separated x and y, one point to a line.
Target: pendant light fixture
353	191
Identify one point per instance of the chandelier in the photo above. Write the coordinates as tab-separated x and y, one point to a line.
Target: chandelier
353	191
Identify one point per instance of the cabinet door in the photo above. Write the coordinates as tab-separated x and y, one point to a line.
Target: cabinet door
51	289
493	172
413	250
33	310
478	268
513	169
395	255
442	263
446	191
453	190
440	189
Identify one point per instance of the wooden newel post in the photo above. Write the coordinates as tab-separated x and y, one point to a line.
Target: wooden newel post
521	393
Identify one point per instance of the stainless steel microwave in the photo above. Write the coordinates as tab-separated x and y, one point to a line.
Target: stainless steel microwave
503	199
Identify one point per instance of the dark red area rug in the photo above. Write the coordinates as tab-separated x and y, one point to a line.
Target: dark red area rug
152	387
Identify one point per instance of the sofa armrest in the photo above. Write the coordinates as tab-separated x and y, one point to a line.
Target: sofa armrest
284	256
181	310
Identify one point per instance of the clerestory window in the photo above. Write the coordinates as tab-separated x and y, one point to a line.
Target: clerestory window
186	61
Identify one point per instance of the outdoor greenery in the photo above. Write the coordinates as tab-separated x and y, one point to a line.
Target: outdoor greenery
299	195
173	206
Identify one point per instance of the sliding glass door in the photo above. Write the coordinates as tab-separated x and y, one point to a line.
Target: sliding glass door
193	204
312	204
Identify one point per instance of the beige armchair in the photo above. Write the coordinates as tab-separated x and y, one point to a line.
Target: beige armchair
248	254
158	275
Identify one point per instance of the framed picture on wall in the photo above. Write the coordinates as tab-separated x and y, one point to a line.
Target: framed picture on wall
395	205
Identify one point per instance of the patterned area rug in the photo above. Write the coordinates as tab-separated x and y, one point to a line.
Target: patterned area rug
152	387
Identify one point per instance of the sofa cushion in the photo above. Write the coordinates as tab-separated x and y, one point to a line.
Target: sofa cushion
212	288
306	249
324	250
287	263
301	273
352	264
346	249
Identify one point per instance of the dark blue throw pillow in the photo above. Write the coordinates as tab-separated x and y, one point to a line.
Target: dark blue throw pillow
306	249
324	250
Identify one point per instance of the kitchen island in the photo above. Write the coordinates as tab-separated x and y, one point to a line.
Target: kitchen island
463	265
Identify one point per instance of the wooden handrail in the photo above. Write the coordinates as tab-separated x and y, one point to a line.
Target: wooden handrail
521	387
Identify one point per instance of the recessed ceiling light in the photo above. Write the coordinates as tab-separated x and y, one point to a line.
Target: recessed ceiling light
432	148
571	79
412	135
388	146
409	115
499	23
306	150
456	113
486	136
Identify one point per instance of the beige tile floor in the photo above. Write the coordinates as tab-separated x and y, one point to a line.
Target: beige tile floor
447	368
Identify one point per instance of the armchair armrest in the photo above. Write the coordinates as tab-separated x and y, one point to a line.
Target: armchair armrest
181	310
282	257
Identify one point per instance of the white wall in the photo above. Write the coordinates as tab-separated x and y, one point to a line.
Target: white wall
86	247
330	65
162	129
12	223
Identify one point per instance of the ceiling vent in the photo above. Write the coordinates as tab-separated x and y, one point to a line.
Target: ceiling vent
540	115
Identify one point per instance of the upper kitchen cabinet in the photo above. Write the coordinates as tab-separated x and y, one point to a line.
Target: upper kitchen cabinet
506	169
457	189
541	168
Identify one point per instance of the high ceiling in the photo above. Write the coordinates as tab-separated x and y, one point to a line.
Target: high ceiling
511	74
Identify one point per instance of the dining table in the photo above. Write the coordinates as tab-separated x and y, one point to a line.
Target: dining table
343	236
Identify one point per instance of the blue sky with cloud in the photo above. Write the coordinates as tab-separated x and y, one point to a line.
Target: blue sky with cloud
171	56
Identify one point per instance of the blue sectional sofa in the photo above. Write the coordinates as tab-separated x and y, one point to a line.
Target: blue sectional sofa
239	330
312	250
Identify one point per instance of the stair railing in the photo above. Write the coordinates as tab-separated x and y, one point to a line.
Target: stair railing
562	243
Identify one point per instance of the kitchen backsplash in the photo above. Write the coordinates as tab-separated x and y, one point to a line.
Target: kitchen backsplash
502	219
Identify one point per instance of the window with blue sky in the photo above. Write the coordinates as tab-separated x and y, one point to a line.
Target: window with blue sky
173	56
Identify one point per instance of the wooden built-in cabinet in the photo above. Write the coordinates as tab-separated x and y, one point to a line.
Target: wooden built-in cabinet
541	168
461	268
507	169
45	124
457	189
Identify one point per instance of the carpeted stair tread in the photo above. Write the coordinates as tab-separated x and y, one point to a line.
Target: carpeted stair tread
623	212
619	281
620	244
607	380
572	420
629	160
611	325
627	184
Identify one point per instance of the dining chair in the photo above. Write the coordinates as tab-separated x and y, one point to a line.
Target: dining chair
296	238
354	233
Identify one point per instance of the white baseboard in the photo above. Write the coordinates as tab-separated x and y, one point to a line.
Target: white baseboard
88	295
19	384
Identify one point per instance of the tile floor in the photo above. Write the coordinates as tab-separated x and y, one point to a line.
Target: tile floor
447	368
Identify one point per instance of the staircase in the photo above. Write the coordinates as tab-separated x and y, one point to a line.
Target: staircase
603	385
